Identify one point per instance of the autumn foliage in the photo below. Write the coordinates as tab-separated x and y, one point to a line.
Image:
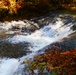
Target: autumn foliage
10	5
14	5
27	9
56	61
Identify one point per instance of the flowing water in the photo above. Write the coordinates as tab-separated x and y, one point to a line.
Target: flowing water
37	40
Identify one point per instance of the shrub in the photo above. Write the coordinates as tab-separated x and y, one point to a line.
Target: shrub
56	61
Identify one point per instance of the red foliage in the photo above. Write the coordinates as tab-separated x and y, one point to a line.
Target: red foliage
57	59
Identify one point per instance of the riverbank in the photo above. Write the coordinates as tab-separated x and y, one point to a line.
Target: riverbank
30	15
53	61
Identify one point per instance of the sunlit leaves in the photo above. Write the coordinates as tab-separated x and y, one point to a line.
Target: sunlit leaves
10	5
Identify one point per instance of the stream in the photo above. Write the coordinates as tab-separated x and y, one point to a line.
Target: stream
19	42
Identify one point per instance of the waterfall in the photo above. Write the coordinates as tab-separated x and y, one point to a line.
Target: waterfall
39	39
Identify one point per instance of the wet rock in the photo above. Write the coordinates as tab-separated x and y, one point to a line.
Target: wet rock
74	27
27	26
22	26
66	44
13	50
52	17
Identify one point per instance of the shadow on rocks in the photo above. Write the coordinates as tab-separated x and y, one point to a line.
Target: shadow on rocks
13	50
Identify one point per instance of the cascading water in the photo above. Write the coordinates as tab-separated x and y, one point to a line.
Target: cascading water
39	39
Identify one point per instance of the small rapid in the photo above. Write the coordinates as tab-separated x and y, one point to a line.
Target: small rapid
38	40
44	36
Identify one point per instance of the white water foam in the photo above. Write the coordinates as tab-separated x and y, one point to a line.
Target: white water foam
8	66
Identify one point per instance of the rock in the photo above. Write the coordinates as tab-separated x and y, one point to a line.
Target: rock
22	26
52	17
66	44
25	25
13	50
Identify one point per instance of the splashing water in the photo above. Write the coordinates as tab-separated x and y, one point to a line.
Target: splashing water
8	66
38	40
44	36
